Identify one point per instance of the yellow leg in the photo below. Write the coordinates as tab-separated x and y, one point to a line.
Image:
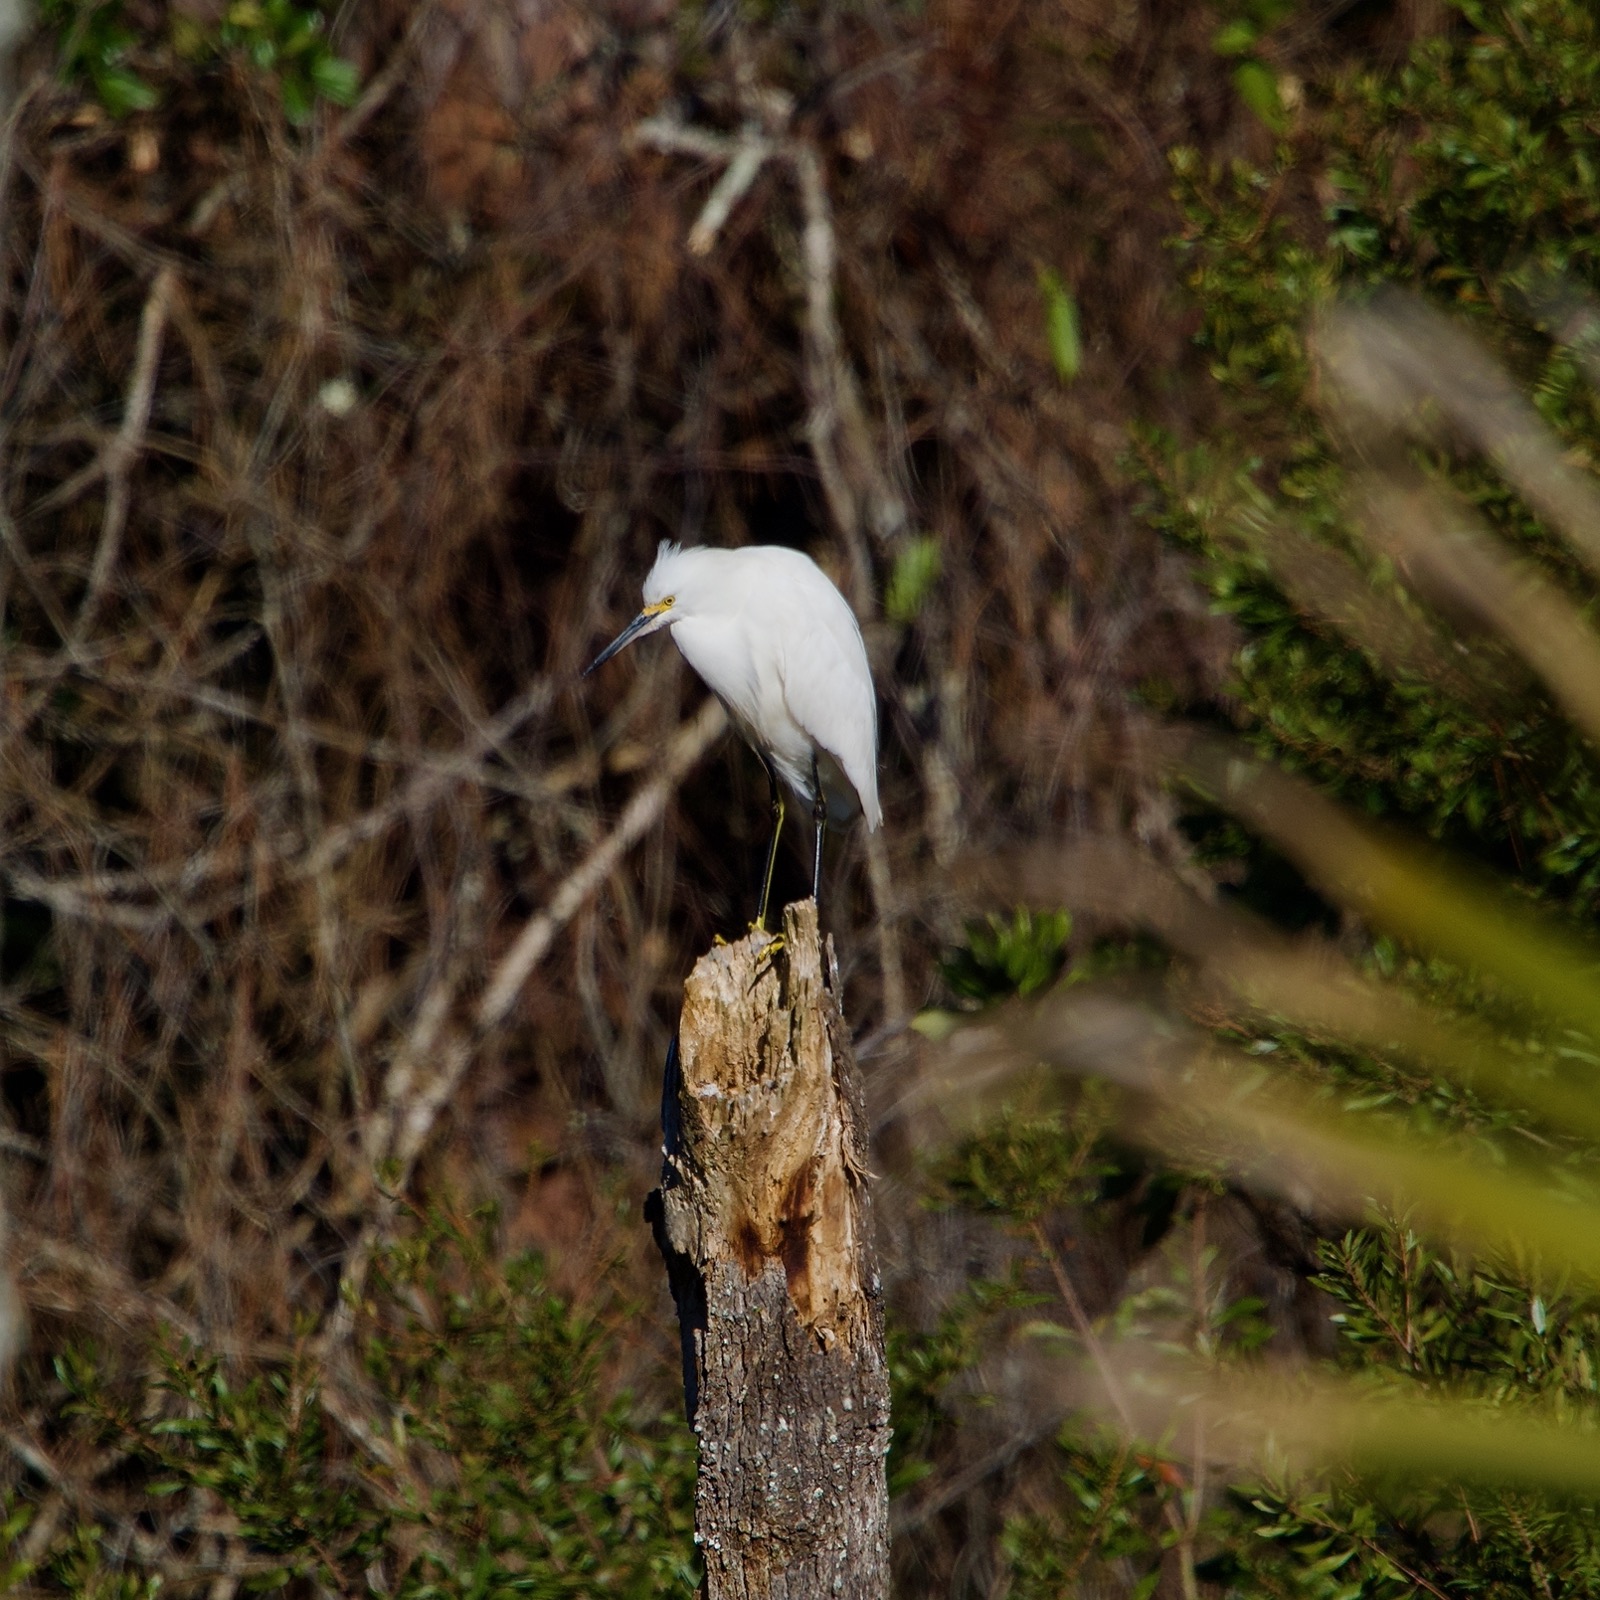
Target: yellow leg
772	854
819	817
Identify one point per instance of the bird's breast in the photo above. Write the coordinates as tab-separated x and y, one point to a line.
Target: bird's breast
742	665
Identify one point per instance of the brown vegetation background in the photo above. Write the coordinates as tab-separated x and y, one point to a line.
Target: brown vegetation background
328	455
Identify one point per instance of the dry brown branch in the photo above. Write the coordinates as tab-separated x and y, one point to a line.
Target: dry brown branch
642	813
388	410
47	1267
858	489
113	461
428	782
860	494
896	1002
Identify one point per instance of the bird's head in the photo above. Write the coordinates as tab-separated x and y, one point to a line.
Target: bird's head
660	600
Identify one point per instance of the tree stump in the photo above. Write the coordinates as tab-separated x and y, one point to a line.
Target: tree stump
762	1218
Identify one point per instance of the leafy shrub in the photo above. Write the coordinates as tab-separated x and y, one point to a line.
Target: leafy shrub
1469	172
485	1462
284	41
1019	954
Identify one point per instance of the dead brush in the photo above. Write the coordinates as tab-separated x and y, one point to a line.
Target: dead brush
323	453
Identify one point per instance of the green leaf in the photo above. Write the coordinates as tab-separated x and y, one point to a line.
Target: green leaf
1258	88
1236	37
916	570
935	1025
122	91
1061	325
296	102
336	79
190	40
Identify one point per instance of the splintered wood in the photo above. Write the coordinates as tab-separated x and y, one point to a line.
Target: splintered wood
763	1221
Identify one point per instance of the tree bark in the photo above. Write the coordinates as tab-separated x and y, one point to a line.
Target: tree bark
762	1218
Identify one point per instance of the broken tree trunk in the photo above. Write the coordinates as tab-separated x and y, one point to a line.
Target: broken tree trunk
762	1219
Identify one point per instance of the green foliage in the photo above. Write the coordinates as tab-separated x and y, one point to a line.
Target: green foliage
96	44
1257	86
1405	1315
1409	1315
1238	39
916	570
1121	1507
280	39
1109	1514
1061	325
504	1380
259	1446
1127	1509
1493	126
288	41
1024	1166
500	1470
1005	956
1469	171
923	1367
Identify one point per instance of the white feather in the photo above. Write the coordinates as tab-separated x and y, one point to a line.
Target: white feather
778	644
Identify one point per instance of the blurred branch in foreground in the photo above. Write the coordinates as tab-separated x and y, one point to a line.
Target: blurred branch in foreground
1511	1180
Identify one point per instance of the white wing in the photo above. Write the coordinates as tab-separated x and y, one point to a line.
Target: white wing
827	683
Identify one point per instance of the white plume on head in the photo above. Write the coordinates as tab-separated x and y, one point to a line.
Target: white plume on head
656	586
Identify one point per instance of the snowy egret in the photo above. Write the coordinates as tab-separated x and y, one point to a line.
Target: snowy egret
778	645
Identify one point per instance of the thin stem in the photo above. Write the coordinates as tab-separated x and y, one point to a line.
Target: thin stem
1197	1493
819	816
1108	1497
772	849
1085	1329
1108	1377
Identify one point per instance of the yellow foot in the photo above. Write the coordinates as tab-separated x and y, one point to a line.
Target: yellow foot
765	954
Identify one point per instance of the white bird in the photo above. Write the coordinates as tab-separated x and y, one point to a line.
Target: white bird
779	646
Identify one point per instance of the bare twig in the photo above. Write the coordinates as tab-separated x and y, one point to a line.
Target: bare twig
905	1520
529	949
749	157
382	84
1109	1380
112	1291
859	493
668	134
117	459
837	429
741	158
431	778
896	1001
